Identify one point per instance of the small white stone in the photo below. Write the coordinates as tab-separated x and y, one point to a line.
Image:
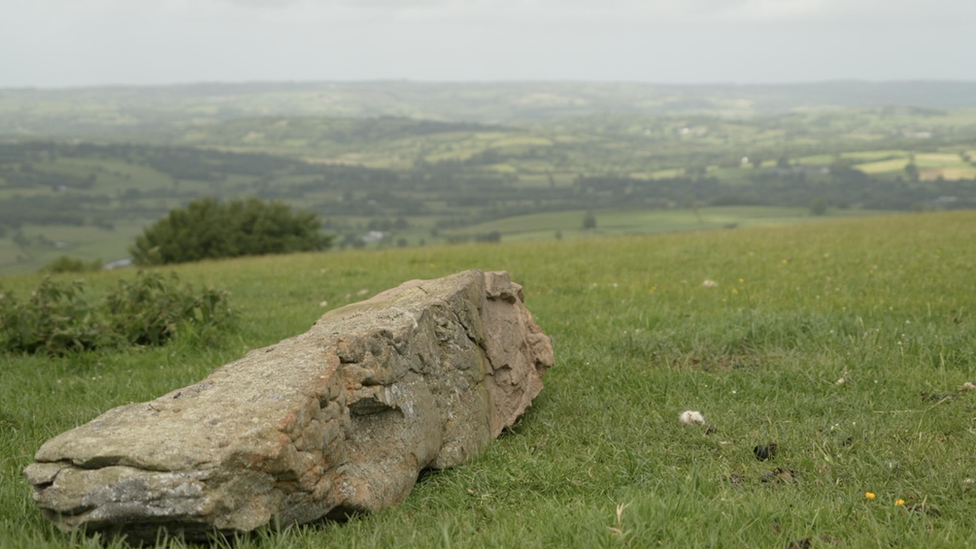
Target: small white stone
323	304
690	417
841	381
709	283
968	386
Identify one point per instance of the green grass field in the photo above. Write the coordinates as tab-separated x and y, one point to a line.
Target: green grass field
569	224
884	304
91	243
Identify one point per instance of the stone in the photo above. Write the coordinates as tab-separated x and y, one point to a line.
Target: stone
336	421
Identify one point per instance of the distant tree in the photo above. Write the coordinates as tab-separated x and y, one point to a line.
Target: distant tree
818	207
589	222
348	239
21	240
552	180
400	224
383	225
783	162
66	264
493	236
559	235
696	172
210	229
402	243
912	171
103	223
690	202
756	161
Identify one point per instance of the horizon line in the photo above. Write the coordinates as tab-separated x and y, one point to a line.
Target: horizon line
374	81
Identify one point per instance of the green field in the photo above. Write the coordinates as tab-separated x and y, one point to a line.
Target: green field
620	222
845	342
91	243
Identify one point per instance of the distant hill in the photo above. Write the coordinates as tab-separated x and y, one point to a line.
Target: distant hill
101	110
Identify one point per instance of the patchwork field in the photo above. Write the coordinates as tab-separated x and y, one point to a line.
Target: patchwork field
846	343
391	164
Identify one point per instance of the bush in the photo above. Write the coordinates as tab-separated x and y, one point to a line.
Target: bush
493	236
65	264
209	229
589	222
150	310
818	207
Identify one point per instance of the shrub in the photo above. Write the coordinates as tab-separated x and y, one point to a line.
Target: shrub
818	207
589	222
209	229
150	310
493	236
66	264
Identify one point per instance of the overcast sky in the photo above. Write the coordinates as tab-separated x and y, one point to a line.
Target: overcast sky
56	43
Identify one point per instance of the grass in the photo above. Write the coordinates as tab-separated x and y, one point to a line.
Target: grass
886	304
89	243
884	166
618	222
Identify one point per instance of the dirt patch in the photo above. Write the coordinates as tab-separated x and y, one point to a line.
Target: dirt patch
717	363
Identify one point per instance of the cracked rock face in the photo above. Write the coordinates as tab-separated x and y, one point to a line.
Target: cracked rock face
338	420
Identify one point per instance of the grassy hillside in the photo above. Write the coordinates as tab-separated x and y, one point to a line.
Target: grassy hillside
844	342
569	224
48	242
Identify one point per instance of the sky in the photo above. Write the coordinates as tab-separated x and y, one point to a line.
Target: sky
69	43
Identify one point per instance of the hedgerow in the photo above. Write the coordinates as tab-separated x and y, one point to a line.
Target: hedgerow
59	317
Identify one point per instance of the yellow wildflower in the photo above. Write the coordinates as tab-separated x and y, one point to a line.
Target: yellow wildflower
870	495
899	502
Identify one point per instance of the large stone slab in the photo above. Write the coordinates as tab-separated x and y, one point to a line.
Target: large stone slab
337	420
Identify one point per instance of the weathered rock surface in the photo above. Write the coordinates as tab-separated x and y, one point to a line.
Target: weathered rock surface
337	420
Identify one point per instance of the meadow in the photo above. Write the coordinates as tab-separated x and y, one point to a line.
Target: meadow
91	243
569	224
845	342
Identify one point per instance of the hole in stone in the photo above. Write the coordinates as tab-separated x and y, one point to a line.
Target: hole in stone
427	474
